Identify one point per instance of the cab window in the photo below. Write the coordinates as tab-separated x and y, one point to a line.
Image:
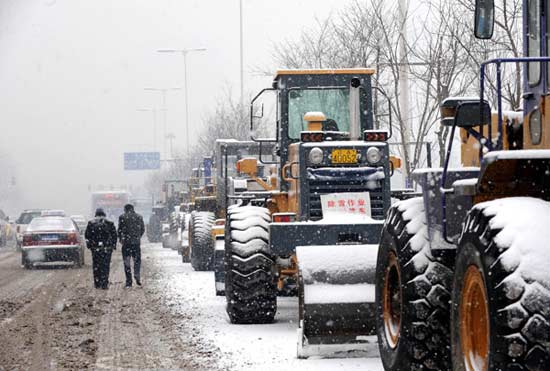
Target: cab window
334	103
533	40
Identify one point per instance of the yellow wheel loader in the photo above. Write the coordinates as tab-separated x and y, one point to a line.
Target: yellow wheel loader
317	229
462	279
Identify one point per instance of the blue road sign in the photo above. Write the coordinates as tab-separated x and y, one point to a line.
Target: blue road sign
141	160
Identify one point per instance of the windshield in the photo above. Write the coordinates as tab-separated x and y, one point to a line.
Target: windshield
27	217
334	103
51	224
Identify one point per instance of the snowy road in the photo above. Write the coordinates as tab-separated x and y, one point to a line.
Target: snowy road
242	347
53	319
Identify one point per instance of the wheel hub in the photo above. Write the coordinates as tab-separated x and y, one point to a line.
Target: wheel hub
474	323
392	299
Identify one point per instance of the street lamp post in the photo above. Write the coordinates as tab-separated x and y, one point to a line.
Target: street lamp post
184	52
163	95
171	137
241	50
154	111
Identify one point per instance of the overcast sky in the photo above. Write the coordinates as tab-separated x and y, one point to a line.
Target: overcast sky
72	74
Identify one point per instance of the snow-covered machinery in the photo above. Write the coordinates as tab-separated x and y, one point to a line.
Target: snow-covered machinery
332	188
172	192
202	191
233	187
462	277
206	224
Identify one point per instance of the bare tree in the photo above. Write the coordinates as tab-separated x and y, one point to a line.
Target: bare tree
442	55
227	120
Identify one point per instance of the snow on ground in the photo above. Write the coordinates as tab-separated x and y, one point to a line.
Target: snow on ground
242	347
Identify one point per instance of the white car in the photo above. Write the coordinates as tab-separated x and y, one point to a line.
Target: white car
53	213
52	239
22	222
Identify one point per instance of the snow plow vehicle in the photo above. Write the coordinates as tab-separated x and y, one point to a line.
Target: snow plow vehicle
234	187
172	196
202	206
462	279
332	191
224	182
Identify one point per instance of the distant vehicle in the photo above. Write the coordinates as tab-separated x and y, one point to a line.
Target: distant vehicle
143	206
80	222
112	202
52	239
22	222
154	225
53	213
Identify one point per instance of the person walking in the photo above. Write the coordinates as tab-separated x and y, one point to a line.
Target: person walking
130	230
101	239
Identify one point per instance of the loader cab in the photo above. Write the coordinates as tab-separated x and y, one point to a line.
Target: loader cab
536	85
344	97
535	131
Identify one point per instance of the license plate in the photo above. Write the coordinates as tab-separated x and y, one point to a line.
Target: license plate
50	237
344	156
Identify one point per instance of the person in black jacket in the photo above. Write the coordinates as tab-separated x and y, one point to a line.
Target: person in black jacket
101	239
130	230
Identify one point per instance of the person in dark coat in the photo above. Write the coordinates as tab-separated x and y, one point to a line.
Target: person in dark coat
130	230
101	239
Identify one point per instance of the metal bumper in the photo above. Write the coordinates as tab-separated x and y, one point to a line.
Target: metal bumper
51	253
284	237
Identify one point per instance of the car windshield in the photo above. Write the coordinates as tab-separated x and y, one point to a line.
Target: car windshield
334	103
27	217
51	224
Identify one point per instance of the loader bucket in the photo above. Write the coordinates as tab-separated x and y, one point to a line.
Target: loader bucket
336	296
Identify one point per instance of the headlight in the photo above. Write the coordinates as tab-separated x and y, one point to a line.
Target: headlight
316	155
373	155
535	127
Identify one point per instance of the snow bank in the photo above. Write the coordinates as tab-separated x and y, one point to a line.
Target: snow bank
266	347
525	235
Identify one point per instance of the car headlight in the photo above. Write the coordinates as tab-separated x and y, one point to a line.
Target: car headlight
316	155
373	155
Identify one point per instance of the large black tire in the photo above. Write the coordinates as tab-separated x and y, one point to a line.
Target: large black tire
201	245
250	275
412	294
512	330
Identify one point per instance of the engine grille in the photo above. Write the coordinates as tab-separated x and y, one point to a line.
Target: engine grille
318	188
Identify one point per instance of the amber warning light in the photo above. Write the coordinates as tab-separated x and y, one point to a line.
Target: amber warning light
375	135
312	136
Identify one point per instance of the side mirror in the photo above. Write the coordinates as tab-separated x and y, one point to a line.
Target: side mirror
469	114
484	19
465	112
258	112
258	123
